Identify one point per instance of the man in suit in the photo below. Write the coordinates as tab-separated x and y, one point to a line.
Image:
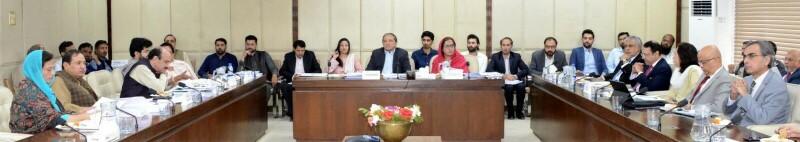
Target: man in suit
259	60
389	58
549	56
762	97
512	67
587	59
792	63
655	74
294	63
714	87
633	54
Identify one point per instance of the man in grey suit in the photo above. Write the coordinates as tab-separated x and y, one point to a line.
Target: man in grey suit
715	85
762	97
547	57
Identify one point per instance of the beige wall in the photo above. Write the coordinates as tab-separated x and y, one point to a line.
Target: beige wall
196	24
49	23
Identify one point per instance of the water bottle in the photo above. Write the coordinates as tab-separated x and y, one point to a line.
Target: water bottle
701	128
230	68
445	67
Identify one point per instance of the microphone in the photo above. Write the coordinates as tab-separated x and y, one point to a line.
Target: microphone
183	85
642	91
682	103
159	97
85	139
135	120
734	121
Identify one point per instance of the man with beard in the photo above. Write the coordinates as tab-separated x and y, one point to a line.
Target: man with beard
219	59
549	56
587	59
99	61
258	60
476	61
613	57
667	41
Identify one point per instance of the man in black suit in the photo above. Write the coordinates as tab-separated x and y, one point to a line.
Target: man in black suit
633	54
655	73
294	63
516	70
398	57
547	57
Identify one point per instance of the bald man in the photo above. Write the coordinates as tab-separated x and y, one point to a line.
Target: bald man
715	85
667	41
792	61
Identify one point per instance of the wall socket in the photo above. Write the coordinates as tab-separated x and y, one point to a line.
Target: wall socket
12	18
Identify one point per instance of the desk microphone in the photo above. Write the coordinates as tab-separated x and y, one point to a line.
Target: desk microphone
135	120
86	139
183	85
684	102
734	121
159	97
642	91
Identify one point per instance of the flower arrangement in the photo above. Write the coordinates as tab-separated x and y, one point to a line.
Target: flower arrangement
378	113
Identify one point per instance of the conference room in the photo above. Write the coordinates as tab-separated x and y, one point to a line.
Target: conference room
391	70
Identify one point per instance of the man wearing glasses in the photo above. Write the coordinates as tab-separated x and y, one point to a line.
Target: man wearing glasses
762	97
792	63
714	87
549	56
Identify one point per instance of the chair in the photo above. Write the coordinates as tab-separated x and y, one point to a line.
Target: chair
6	97
794	112
101	84
278	103
116	82
10	85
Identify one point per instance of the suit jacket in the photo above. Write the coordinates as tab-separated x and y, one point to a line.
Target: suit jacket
625	77
310	64
261	61
517	66
538	59
577	60
401	63
770	105
717	90
795	78
658	78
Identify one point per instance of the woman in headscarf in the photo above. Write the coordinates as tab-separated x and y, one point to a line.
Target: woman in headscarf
35	107
448	52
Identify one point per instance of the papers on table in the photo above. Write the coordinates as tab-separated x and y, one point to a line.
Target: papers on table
371	75
647	98
313	74
512	82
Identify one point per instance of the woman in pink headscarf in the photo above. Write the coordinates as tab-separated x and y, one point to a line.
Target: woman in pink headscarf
448	52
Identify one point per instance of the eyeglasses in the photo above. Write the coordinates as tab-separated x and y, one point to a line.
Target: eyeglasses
550	47
706	60
449	46
751	55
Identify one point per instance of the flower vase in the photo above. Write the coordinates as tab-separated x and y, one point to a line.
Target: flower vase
393	131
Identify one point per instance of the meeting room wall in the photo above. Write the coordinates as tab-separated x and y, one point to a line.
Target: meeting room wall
47	22
197	23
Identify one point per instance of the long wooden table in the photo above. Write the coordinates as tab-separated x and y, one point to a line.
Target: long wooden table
558	114
236	115
326	109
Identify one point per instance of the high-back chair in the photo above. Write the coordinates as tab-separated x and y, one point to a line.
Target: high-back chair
794	112
6	97
101	83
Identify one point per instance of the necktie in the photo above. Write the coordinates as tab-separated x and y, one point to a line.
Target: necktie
753	87
697	90
786	78
645	75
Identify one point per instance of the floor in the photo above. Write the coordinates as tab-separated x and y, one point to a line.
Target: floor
280	130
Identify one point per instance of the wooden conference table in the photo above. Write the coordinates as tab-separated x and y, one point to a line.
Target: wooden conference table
326	109
236	115
558	114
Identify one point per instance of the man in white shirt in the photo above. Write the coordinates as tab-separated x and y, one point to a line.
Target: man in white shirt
63	48
762	97
475	60
613	57
667	41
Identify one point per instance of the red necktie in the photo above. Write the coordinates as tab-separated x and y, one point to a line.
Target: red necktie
786	78
697	90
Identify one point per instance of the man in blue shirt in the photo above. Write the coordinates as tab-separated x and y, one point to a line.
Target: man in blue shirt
586	59
219	59
423	56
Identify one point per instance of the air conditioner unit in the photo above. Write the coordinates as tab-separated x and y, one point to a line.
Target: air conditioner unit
702	22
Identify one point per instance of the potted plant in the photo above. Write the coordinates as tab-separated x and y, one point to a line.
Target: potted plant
392	123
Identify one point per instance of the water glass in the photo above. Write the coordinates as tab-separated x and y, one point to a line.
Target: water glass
653	116
616	102
722	135
109	109
127	124
66	134
701	127
164	108
196	97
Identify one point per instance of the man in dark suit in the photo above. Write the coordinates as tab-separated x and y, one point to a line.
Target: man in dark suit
655	71
549	56
792	61
294	63
587	59
397	57
633	54
512	67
